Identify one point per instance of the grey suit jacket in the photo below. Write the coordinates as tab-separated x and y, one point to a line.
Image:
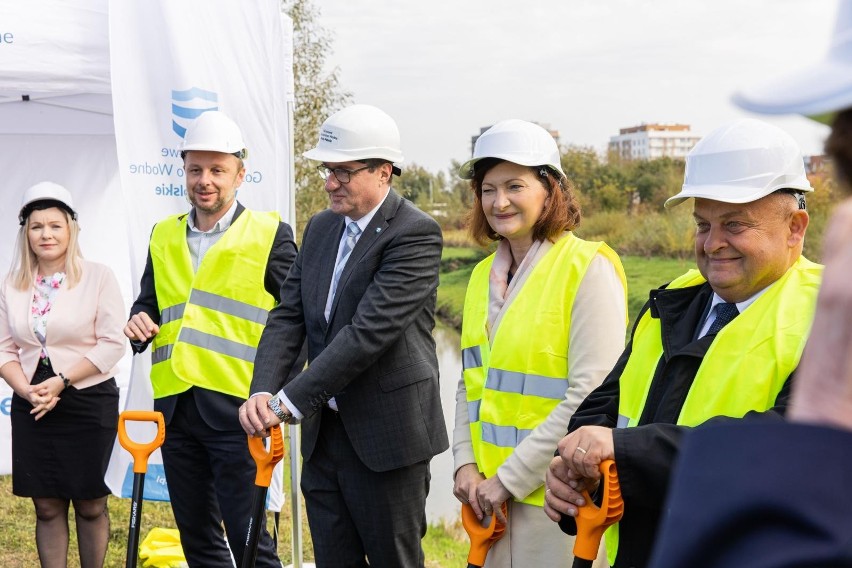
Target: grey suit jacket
376	354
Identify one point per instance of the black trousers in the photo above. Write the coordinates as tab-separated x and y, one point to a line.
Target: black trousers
356	514
210	475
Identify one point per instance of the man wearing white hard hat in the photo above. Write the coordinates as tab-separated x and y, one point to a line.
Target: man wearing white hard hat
720	341
362	293
211	277
786	492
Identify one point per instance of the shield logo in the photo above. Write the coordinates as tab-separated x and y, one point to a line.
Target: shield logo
188	105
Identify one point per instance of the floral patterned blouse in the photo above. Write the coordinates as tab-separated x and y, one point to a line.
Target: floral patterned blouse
44	293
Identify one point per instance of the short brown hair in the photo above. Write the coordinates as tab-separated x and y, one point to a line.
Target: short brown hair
839	147
562	212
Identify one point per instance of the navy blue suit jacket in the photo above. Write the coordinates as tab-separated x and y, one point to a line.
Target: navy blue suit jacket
759	495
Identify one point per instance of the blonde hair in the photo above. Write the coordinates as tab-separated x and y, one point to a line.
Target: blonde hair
26	262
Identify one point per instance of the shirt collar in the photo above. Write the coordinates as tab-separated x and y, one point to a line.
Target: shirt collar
741	306
221	225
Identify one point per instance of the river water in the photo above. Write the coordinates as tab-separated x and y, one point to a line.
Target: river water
441	504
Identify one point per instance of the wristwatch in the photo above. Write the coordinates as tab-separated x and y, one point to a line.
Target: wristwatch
280	411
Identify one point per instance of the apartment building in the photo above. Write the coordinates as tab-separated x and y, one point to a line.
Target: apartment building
651	141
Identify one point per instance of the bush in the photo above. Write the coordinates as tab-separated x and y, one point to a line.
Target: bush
668	234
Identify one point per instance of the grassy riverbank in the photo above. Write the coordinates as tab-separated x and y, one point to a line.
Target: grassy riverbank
643	274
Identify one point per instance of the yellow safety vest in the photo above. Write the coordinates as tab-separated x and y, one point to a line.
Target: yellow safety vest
516	382
745	367
210	320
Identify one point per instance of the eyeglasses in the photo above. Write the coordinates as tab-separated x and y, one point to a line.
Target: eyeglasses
343	175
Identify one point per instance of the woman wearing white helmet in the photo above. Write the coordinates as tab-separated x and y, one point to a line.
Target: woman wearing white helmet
61	337
544	321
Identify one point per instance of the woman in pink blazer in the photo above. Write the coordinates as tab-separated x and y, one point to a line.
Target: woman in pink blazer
61	320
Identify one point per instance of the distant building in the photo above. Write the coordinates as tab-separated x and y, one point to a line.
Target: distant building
816	164
473	139
651	141
818	169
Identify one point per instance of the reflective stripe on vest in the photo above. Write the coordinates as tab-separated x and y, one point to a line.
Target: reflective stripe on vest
514	383
211	320
172	313
745	367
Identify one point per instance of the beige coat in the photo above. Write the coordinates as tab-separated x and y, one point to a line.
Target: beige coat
84	321
597	334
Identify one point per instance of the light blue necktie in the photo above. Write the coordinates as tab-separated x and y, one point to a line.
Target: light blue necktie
352	232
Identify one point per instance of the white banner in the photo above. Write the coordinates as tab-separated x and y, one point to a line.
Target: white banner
171	61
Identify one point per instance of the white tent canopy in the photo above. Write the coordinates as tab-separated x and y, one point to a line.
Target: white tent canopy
56	55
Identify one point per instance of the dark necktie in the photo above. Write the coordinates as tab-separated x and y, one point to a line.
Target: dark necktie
724	314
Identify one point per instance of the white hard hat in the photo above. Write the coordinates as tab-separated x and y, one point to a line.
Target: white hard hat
516	141
817	90
741	162
358	132
213	131
46	191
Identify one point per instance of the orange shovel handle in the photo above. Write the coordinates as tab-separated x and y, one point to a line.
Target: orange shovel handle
141	452
481	538
592	520
266	459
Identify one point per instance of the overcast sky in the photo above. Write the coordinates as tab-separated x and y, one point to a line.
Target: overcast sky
444	68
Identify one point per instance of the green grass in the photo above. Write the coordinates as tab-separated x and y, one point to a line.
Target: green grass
451	292
460	253
454	258
445	546
17	538
645	274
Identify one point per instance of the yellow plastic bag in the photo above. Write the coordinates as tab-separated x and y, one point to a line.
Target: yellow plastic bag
161	549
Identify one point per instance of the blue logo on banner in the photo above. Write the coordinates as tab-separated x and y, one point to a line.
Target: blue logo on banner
188	105
155	488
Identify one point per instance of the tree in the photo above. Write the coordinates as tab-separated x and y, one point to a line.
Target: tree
416	183
456	199
600	186
318	94
656	180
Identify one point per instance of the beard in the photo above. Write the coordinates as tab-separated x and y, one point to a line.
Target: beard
207	207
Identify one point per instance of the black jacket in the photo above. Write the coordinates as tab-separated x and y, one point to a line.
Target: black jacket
645	454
